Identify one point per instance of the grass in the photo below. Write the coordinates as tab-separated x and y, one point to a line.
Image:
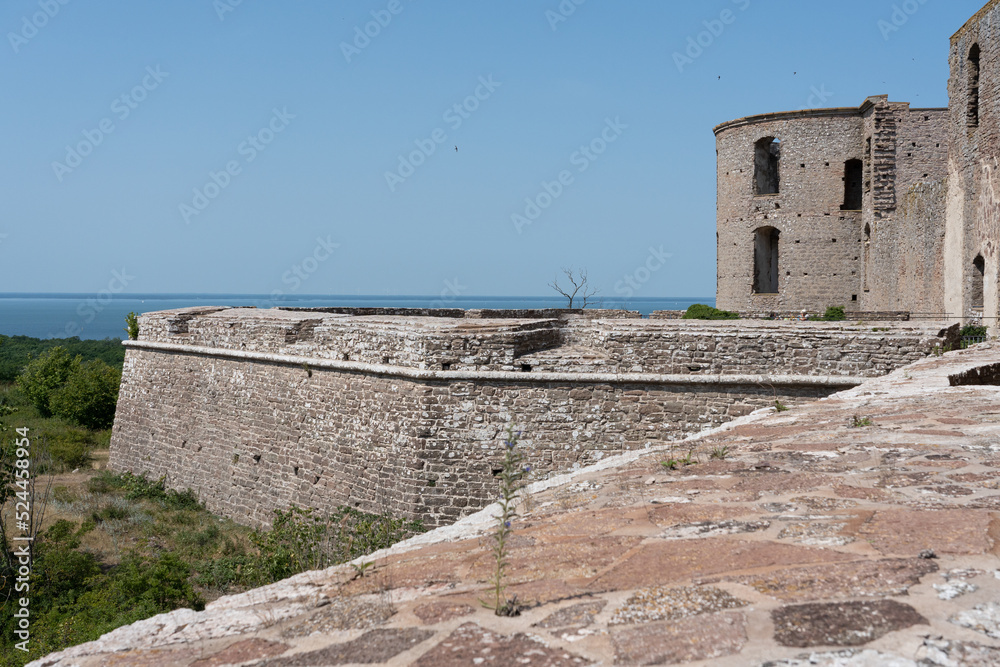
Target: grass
673	462
115	549
720	453
780	407
861	422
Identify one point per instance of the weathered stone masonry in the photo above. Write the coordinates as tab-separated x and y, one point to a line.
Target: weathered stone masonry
257	410
849	209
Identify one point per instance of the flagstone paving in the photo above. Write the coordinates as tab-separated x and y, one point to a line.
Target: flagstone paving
859	530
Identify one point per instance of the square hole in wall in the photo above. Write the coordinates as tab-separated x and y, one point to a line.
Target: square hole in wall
827	164
803	165
854	297
834	240
798	241
927	117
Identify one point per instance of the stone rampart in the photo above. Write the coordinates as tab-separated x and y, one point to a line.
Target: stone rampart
257	410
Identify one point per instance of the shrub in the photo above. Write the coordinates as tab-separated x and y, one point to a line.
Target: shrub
71	450
700	311
89	395
834	314
42	377
140	488
973	331
132	326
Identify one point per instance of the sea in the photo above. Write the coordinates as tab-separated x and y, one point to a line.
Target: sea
90	316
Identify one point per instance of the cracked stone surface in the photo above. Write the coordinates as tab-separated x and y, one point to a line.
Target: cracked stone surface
983	618
841	623
681	641
373	647
342	614
802	547
474	645
577	616
669	604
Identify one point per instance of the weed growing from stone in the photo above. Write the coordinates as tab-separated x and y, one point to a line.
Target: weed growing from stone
132	325
511	476
720	453
673	462
781	407
861	422
360	569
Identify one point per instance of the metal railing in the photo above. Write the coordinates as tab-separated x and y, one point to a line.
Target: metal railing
969	341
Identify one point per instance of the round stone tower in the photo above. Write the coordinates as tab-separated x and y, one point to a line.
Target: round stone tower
791	190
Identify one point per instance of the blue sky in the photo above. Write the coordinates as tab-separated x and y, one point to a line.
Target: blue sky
263	145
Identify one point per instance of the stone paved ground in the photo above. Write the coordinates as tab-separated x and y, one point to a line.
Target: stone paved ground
859	530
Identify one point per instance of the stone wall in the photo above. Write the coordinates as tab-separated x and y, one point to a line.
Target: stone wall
973	221
904	207
819	242
882	252
257	410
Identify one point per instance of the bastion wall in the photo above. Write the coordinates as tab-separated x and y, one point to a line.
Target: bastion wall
845	206
256	410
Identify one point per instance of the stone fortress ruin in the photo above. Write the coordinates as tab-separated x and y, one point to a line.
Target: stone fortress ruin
878	208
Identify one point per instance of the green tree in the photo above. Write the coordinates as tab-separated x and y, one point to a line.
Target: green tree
89	395
43	376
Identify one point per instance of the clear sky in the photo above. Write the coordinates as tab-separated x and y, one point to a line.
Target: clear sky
260	145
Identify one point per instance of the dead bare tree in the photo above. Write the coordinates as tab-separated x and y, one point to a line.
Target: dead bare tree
581	292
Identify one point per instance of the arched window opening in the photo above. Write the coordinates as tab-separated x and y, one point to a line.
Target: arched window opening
765	260
973	74
978	282
767	154
853	187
